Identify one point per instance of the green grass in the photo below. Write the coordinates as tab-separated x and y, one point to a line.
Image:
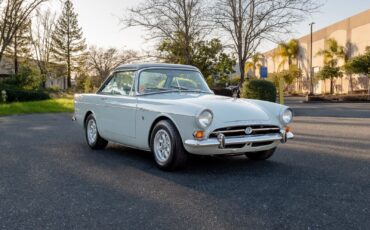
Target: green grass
60	105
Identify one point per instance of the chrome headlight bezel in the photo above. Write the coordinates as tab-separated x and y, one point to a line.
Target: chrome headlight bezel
204	114
286	116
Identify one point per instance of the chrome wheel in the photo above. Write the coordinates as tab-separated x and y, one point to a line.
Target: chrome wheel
162	146
92	131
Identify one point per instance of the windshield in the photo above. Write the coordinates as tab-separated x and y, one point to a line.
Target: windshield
164	80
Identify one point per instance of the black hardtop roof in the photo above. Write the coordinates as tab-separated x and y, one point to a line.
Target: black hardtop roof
154	65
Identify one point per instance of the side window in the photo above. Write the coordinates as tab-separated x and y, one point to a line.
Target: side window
122	83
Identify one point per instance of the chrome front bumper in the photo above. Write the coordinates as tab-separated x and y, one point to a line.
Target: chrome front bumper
217	145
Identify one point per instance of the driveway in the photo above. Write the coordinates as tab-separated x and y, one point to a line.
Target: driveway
50	179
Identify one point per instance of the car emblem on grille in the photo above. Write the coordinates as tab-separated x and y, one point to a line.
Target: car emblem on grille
248	130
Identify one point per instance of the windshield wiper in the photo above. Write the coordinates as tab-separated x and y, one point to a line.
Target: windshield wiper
198	91
156	88
179	87
190	90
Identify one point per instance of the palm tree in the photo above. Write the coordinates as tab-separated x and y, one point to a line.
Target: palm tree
288	51
254	62
332	54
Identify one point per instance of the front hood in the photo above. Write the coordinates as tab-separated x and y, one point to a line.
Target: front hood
228	109
225	109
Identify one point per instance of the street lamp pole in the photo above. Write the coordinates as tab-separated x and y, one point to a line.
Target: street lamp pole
311	70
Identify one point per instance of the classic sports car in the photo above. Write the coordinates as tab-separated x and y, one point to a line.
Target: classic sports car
169	110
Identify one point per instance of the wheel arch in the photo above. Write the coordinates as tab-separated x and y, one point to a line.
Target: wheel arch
161	117
87	114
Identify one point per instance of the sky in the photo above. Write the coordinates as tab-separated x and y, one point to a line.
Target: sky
101	25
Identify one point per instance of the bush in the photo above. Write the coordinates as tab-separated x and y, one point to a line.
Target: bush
259	89
28	78
15	94
235	81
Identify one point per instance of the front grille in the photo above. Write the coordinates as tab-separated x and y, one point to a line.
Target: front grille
236	131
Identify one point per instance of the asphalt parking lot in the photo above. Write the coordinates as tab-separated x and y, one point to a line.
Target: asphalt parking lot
50	179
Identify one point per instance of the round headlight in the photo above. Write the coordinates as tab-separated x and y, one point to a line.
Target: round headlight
204	119
287	116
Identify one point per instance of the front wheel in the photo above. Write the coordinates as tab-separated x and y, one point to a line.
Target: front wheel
262	155
167	148
93	138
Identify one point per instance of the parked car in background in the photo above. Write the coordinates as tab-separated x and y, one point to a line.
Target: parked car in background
170	111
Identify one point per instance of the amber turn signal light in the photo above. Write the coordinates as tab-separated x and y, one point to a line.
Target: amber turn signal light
287	129
198	134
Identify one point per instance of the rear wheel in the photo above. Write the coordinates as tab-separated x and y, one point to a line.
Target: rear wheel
166	145
93	138
262	155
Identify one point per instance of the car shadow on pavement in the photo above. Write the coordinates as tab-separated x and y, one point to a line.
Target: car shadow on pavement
196	164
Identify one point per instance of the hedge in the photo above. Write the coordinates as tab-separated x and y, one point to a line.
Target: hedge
259	89
15	94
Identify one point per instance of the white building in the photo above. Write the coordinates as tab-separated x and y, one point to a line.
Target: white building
352	33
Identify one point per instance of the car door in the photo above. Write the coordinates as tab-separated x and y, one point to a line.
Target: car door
119	106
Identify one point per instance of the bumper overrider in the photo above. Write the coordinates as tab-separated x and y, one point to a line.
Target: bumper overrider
221	144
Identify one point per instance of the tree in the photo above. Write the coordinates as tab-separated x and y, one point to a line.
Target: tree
102	61
13	16
211	60
248	22
295	74
329	72
208	56
288	51
332	54
172	21
19	47
255	61
68	44
287	76
360	65
42	30
349	49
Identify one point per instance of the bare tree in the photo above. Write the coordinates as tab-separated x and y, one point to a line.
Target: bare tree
249	22
13	15
171	20
41	39
102	61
